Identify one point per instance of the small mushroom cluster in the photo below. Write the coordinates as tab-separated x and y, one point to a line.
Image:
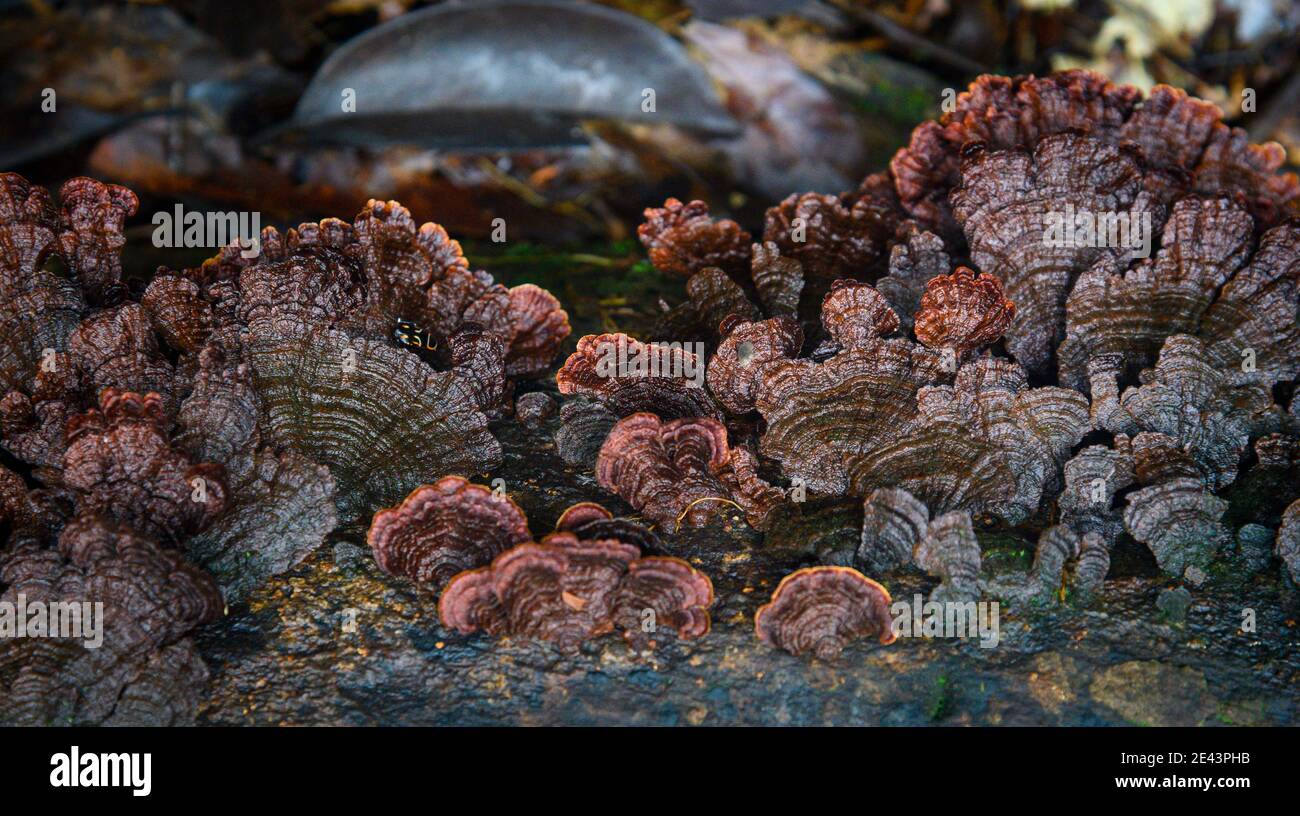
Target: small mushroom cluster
584	580
1122	332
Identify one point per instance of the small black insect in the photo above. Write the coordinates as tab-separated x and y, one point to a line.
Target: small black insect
412	336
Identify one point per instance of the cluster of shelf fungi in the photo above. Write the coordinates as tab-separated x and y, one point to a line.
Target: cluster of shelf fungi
176	439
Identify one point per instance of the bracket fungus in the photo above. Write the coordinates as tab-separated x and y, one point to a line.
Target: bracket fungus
590	521
1093	478
821	417
950	551
735	367
1179	521
1186	418
666	470
567	590
962	312
986	444
682	239
893	523
584	424
1064	559
630	376
445	528
145	671
122	463
820	610
833	237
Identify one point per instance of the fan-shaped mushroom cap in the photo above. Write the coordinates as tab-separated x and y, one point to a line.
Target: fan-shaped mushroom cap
122	463
381	420
713	296
735	367
962	311
856	315
985	444
445	528
560	591
950	551
569	589
842	237
1188	416
914	261
666	469
1003	203
1002	112
682	239
662	592
779	280
893	522
630	386
821	417
143	671
539	329
821	609
1060	547
584	425
116	348
590	521
280	513
1179	521
1179	137
1203	245
534	408
469	604
1092	478
755	495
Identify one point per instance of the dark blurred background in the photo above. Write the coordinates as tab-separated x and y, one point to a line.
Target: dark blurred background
194	101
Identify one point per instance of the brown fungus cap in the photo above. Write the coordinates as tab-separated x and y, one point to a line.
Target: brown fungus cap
1005	203
856	315
950	551
779	280
144	672
819	610
962	311
38	308
822	416
281	511
445	528
122	463
682	239
539	328
660	592
391	423
1190	419
568	590
590	521
1179	521
584	425
666	470
833	237
987	444
734	368
1066	560
893	522
116	348
629	376
914	261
